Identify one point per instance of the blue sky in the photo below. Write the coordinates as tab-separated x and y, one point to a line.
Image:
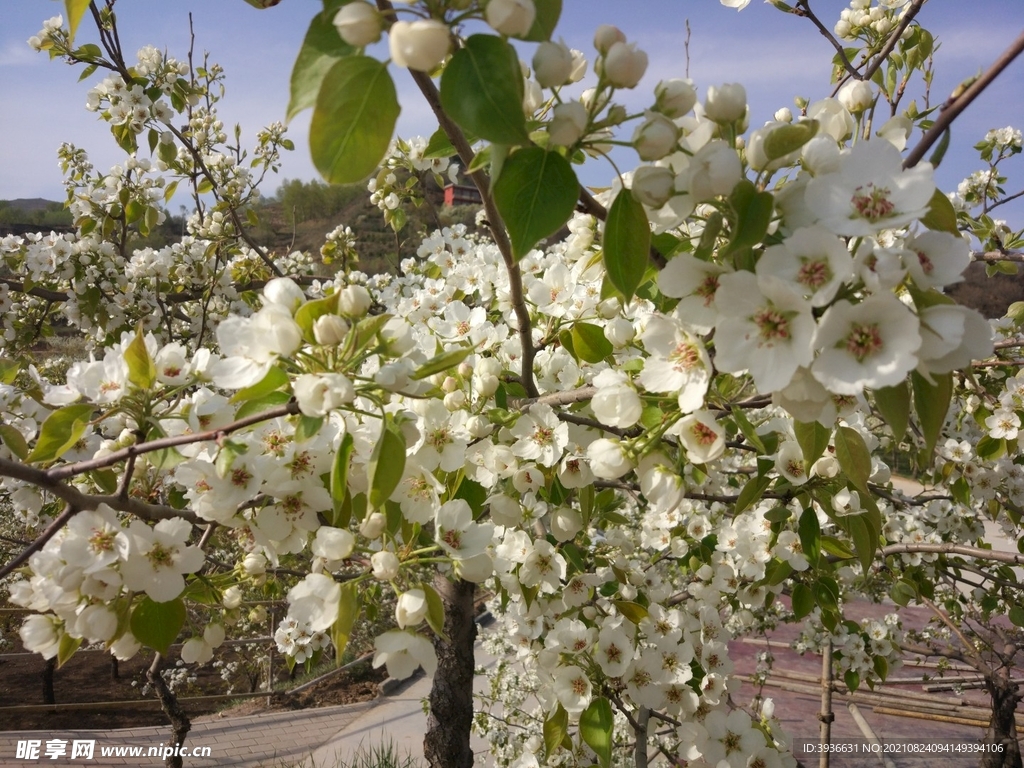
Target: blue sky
776	56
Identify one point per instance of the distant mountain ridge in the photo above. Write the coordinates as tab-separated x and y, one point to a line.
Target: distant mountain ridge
29	204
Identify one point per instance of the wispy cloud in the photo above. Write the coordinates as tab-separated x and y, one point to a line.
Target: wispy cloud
14	54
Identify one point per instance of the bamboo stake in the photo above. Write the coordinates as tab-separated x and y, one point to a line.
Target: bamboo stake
826	717
936	718
869	734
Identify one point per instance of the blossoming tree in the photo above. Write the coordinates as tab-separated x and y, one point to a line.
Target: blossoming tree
644	437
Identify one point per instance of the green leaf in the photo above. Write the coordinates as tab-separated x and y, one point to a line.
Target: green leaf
865	540
435	610
348	612
353	120
75	10
597	725
141	370
535	194
307	427
902	592
321	49
931	401
836	548
157	625
940	149
310	311
556	728
826	592
852	680
854	457
589	342
810	535
274	380
1017	615
387	463
753	214
482	90
442	362
14	440
546	20
339	474
748	430
894	405
802	600
941	215
9	370
881	666
260	404
784	139
751	492
66	648
631	610
60	431
627	243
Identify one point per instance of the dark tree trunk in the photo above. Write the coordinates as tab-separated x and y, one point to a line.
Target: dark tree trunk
115	673
1002	729
446	744
48	670
180	724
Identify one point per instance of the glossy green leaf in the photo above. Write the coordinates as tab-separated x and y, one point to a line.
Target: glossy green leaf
836	548
753	214
751	492
61	430
9	370
865	540
535	194
597	726
75	10
941	215
802	599
940	149
353	120
854	457
894	405
442	362
545	21
66	648
307	427
339	473
321	49
902	592
589	342
348	612
748	430
310	311
274	380
627	243
852	680
156	625
826	593
482	90
810	535
141	370
631	610
556	728
14	440
1017	615
260	404
931	401
784	139
435	610
387	463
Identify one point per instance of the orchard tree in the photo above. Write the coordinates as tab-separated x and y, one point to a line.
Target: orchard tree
637	437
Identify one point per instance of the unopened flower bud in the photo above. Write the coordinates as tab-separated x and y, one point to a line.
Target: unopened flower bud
329	330
726	103
420	45
784	115
510	17
653	185
411	608
856	96
385	565
454	401
674	98
284	291
354	301
606	36
373	525
568	122
656	137
478	426
624	65
552	64
358	24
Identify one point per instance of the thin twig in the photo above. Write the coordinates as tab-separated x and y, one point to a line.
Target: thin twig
51	530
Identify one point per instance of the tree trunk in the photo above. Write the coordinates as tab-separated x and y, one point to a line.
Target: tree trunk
446	744
1002	729
180	724
48	670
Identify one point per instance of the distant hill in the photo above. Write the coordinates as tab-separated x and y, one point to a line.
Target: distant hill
29	204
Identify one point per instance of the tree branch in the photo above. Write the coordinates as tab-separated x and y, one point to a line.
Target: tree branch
959	102
51	530
950	548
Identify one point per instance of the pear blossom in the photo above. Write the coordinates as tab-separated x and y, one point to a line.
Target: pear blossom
868	345
936	259
552	63
572	689
158	558
540	436
701	435
726	103
678	362
411	608
695	283
457	533
385	565
813	260
615	403
315	600
420	44
402	652
358	24
510	17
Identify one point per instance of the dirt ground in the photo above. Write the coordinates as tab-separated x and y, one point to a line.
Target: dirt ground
87	677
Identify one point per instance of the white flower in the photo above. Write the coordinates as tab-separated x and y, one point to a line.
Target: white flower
653	185
655	137
678	363
568	122
403	652
543	567
701	436
385	565
813	260
354	301
616	403
856	96
713	171
420	45
1003	424
458	534
726	103
608	459
541	437
358	24
552	63
674	98
284	291
789	549
572	689
333	544
868	345
766	331
871	191
510	17
411	608
318	394
623	65
833	118
951	337
790	462
40	634
936	259
315	601
695	282
158	558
